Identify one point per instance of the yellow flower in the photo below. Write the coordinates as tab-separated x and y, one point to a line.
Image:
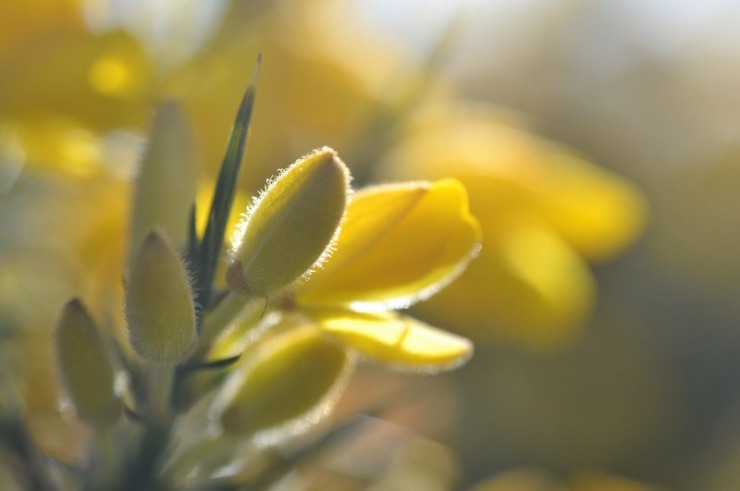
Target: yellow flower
398	244
65	91
389	246
544	212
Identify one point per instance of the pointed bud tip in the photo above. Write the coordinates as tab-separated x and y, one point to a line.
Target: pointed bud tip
73	306
155	235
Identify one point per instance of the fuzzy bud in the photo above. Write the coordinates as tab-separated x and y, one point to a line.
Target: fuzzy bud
159	302
165	184
289	383
85	368
291	226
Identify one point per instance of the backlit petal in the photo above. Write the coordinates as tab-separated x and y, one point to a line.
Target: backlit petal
399	243
397	340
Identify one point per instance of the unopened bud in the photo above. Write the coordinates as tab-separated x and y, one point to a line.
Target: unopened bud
289	382
85	367
159	303
165	185
291	225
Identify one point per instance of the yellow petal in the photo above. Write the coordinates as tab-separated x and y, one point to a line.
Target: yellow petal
398	244
291	226
596	212
397	340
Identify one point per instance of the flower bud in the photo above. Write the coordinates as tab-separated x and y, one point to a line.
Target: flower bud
165	185
291	225
85	367
159	302
288	383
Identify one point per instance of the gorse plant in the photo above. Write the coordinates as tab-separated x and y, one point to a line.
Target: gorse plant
252	346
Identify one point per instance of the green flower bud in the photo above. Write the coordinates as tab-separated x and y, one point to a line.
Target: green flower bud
159	302
165	185
289	228
288	383
85	367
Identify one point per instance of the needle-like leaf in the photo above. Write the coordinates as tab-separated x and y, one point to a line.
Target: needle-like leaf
223	197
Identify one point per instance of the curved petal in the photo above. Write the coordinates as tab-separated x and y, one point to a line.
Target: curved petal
394	339
398	244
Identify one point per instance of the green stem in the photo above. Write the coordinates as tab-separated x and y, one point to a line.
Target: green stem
143	471
107	468
247	310
162	378
204	458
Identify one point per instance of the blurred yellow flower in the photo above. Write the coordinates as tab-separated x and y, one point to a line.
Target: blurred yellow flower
527	479
65	89
544	212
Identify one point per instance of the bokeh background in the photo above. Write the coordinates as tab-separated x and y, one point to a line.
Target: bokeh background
599	140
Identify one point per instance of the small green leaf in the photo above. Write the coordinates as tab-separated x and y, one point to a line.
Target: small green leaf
223	197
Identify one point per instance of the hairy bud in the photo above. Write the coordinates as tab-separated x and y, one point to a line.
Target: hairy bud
85	367
159	302
291	226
